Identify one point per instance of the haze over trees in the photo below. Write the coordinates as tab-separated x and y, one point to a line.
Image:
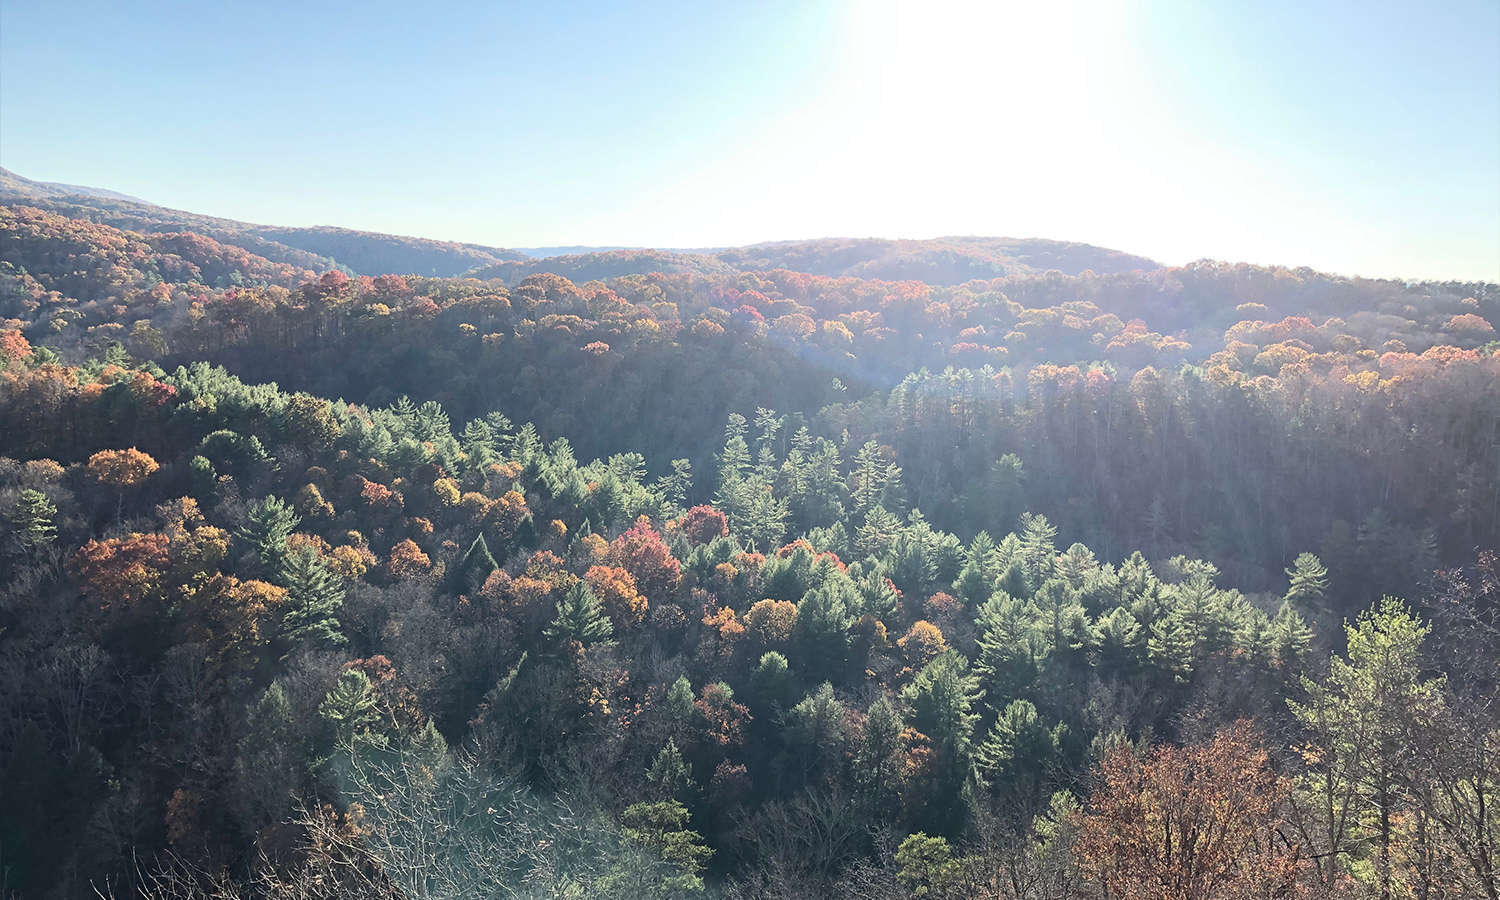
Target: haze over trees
956	568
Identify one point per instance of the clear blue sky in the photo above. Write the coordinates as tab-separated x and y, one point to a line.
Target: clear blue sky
1357	137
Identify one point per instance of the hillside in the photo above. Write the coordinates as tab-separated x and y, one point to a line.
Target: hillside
667	575
941	261
321	248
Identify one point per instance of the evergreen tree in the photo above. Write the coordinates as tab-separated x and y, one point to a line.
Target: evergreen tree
1013	646
315	595
874	537
981	571
1308	593
822	630
271	522
877	764
680	703
580	618
662	828
430	747
350	709
476	566
770	681
1017	755
877	594
33	516
1364	721
1038	547
674	487
669	775
273	757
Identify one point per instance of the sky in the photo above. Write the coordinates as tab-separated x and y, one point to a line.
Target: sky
1361	138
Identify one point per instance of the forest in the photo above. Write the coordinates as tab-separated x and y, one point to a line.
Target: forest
964	568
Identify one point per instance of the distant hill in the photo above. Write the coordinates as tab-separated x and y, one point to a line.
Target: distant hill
319	248
944	261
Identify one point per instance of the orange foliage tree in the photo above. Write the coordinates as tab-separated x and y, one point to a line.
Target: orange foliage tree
615	588
121	468
641	551
1191	823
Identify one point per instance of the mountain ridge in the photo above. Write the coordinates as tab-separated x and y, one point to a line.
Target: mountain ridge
948	260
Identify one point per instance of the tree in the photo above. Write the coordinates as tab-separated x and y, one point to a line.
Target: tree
270	522
662	828
669	776
1019	754
350	709
580	619
32	516
877	764
942	698
314	597
822	629
121	469
273	757
1192	823
641	552
1308	593
476	566
1362	726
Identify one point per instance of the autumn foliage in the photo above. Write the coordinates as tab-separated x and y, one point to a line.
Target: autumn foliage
1190	823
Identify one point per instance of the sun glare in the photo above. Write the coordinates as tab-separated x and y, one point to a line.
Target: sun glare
1021	119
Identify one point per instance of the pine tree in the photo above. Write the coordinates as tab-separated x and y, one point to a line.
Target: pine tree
315	594
1013	646
1038	547
32	516
976	581
877	767
769	681
874	537
669	774
822	630
680	703
1171	646
877	594
273	757
1362	721
350	709
1017	752
1308	593
430	747
580	618
270	523
477	565
663	828
674	488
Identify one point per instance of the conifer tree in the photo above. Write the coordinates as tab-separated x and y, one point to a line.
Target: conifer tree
1308	592
877	766
476	566
315	594
271	522
669	775
580	618
350	709
33	518
273	757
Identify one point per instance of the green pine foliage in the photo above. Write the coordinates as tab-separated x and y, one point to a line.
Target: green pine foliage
315	596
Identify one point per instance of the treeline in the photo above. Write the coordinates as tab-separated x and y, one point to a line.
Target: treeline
1291	435
258	642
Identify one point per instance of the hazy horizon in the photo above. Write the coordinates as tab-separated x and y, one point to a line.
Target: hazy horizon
1352	139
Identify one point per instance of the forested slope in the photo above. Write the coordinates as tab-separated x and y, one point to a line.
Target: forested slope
754	583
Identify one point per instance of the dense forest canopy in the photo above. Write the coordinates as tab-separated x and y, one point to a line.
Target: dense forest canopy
954	568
